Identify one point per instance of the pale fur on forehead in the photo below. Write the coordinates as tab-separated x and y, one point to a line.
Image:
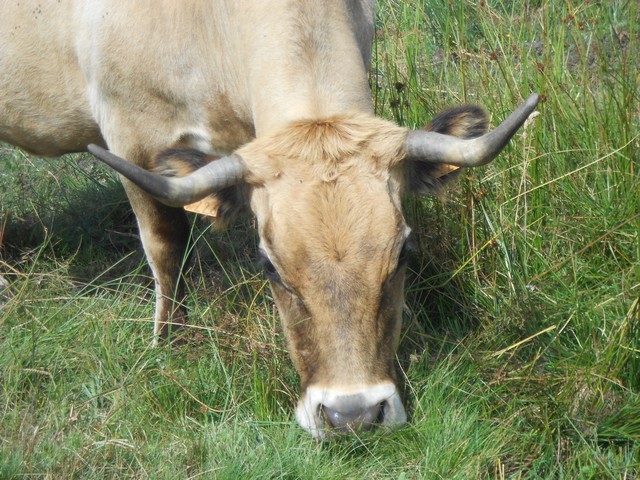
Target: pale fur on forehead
328	146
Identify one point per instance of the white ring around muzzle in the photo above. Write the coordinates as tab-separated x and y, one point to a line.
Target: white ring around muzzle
310	417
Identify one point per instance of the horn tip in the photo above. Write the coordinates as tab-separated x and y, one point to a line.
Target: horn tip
532	100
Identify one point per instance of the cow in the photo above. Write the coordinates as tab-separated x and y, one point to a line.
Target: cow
257	105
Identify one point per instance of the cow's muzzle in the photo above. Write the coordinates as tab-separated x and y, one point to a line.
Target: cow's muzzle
325	412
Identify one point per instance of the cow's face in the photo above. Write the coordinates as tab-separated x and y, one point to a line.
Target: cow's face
333	244
333	240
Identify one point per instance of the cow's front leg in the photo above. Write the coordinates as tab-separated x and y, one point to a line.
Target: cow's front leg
164	232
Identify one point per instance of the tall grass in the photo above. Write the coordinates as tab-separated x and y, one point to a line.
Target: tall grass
521	346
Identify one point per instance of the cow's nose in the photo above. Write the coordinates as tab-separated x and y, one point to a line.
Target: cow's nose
353	420
325	412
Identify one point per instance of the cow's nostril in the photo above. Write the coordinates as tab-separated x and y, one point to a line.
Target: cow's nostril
356	420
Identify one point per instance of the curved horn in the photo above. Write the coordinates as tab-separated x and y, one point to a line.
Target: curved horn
178	191
438	148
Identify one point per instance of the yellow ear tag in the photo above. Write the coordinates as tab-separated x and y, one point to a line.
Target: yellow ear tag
444	169
208	206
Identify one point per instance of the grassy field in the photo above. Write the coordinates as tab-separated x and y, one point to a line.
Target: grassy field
521	351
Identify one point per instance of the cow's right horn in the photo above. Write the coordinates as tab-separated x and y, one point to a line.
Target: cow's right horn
437	148
178	191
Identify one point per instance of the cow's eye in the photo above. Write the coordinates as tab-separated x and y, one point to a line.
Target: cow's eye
268	269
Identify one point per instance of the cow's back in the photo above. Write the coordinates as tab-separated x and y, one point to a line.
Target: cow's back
72	72
156	72
43	103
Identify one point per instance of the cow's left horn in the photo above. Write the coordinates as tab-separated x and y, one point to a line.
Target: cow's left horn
437	148
178	191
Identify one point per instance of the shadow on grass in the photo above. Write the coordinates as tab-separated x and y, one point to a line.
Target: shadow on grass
94	226
439	302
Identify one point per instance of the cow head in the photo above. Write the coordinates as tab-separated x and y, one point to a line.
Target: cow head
333	242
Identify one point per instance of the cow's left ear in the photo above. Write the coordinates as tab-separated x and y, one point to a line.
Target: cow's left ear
467	121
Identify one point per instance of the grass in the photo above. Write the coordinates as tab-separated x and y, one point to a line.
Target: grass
521	351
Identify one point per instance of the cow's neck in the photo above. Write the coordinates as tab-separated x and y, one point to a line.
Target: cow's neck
308	63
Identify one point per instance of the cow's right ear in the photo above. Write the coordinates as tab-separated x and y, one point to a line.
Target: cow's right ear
179	161
467	121
223	206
